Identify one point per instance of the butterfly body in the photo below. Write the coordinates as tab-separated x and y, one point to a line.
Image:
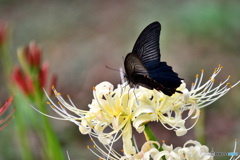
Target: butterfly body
143	66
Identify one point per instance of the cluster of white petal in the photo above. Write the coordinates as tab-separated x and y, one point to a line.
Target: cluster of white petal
192	150
113	112
121	108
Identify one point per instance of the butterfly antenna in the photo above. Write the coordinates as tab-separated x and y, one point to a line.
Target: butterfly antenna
114	69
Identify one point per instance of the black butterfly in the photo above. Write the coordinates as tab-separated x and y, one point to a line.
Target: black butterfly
143	66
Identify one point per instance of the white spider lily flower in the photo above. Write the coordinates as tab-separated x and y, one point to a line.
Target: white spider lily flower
113	112
192	150
116	109
167	110
200	95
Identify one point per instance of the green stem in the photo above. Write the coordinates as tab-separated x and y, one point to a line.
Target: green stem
53	148
151	137
50	142
199	129
22	131
21	125
6	60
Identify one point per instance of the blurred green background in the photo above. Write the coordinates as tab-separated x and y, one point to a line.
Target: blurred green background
79	38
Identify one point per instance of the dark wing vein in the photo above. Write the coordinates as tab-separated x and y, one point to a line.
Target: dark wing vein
147	45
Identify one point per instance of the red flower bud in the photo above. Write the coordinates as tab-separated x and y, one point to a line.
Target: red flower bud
43	74
18	78
23	81
33	54
36	52
29	84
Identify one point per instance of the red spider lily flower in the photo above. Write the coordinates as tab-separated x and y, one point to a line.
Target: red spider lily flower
33	71
33	54
3	32
4	122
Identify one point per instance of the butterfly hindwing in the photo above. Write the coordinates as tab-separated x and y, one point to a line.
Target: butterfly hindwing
164	75
147	45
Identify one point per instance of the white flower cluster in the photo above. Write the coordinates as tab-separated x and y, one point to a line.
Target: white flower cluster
191	150
113	113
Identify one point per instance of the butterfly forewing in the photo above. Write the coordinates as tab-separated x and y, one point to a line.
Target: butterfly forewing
147	45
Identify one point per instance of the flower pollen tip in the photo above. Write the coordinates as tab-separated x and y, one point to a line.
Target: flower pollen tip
91	139
94	146
87	146
213	80
235	139
200	112
163	141
202	70
68	96
197	76
53	107
192	84
121	150
48	102
59	94
229	76
94	88
52	87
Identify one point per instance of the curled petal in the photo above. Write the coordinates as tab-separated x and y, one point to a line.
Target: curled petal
128	147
